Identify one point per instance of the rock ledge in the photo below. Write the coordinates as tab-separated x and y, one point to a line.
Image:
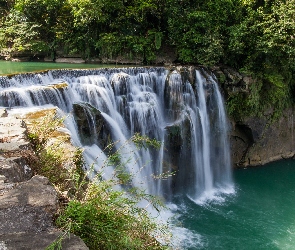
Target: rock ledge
27	202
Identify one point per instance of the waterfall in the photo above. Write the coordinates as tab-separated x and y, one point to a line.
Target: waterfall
185	114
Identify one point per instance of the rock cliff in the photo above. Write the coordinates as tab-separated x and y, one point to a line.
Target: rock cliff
27	202
256	140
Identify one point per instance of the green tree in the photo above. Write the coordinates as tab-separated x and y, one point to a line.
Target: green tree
262	44
135	28
18	35
45	14
201	35
264	37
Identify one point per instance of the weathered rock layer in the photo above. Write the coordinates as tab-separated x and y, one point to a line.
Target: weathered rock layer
27	203
257	140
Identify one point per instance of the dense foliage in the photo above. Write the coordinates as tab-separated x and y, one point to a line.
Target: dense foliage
240	33
253	36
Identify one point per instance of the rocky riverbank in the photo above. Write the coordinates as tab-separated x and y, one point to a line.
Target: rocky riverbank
28	203
256	139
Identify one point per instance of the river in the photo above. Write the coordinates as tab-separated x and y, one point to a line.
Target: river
7	67
260	213
257	214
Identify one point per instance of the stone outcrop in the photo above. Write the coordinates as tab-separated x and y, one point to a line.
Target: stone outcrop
69	60
38	241
91	125
257	140
11	133
232	81
27	203
15	169
28	206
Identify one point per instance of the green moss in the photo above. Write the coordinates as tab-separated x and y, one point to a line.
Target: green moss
59	85
269	92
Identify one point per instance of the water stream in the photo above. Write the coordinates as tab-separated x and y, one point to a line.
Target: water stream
185	114
152	102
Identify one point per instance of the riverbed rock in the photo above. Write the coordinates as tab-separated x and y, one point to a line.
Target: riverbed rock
29	192
15	169
28	206
12	133
26	216
39	241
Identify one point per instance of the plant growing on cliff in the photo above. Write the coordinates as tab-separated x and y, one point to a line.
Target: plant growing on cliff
104	216
51	152
268	93
108	217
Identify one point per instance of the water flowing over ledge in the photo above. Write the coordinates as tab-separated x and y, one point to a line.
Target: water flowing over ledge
183	110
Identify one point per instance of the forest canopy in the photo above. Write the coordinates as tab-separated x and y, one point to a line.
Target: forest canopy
250	35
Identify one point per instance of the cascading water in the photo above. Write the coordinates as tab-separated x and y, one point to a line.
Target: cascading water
187	117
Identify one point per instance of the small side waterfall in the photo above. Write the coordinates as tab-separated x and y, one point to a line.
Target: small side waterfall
186	114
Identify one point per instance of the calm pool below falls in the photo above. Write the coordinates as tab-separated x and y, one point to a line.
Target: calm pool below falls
260	214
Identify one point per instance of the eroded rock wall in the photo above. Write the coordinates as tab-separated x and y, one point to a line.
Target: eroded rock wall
256	140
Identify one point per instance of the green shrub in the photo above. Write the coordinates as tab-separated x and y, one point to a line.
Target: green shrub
109	219
103	215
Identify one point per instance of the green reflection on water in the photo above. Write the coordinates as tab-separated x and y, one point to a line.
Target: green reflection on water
7	67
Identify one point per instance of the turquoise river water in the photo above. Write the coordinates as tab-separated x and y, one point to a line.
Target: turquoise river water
260	214
7	67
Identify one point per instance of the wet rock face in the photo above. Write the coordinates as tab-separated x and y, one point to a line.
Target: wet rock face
178	144
173	144
91	125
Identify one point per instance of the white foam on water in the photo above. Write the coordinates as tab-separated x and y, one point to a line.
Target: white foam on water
215	195
182	238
